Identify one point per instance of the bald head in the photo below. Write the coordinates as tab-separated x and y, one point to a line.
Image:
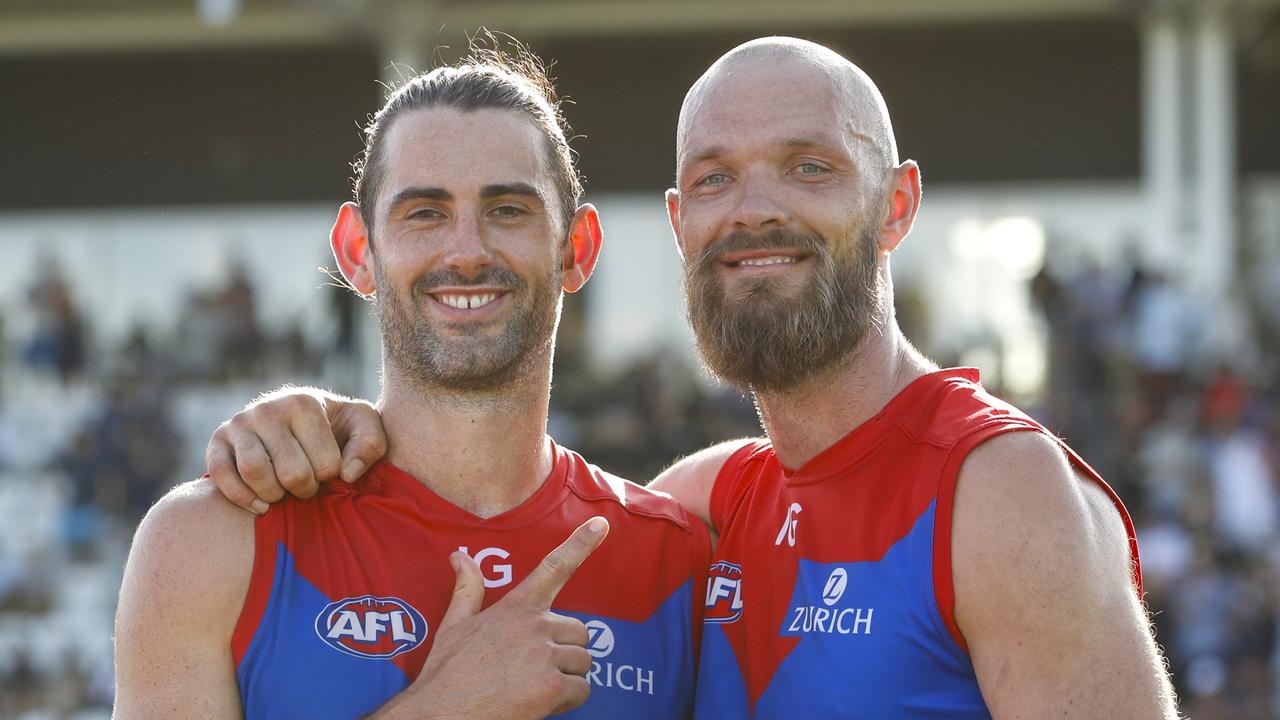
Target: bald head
768	66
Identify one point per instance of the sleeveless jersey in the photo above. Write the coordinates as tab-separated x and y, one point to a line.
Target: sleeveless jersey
349	587
830	595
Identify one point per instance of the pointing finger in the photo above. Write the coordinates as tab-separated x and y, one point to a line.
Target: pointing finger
546	580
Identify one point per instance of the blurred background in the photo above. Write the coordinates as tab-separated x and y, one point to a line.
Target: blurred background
1100	235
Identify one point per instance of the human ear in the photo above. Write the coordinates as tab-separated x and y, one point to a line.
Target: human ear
903	204
351	248
583	247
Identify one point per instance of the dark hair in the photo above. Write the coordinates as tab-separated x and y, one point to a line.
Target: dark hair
487	78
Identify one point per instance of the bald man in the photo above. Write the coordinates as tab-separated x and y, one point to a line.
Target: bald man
903	544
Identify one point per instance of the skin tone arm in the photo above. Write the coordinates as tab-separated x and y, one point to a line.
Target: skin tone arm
290	440
1044	590
192	558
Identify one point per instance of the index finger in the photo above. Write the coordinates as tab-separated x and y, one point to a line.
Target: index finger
546	580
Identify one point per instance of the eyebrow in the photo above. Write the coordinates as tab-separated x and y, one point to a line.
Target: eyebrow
487	192
802	141
419	193
512	188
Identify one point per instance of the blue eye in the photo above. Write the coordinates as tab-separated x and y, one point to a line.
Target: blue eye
810	169
714	179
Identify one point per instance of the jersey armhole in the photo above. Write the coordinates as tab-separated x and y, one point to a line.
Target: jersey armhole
728	485
943	587
1087	470
266	535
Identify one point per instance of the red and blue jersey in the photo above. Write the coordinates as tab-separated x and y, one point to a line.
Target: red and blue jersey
349	587
830	592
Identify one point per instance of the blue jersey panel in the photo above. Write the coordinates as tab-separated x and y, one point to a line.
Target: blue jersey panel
290	672
722	691
859	625
632	670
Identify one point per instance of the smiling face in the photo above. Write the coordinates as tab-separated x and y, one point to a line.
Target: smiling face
469	248
777	210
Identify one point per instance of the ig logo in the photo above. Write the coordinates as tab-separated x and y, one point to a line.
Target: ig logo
501	571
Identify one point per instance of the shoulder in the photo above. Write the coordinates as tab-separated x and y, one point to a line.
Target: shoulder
630	500
184	584
193	548
1026	528
692	479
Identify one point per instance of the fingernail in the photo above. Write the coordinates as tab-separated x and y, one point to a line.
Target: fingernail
597	525
352	470
259	506
453	561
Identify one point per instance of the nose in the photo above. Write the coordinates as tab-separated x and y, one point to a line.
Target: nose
467	250
758	207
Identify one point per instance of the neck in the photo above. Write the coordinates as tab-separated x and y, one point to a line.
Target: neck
805	420
483	451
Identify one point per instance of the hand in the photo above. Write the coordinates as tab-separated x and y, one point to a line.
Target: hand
517	659
288	441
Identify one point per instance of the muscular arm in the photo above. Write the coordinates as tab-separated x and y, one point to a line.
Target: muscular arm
689	480
183	588
1044	590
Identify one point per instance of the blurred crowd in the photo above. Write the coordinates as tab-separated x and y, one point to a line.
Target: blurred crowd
1175	399
1175	404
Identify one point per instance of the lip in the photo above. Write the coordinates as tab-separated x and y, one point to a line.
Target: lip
481	313
791	257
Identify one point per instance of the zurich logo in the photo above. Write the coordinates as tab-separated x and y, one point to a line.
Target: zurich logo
371	627
834	589
599	639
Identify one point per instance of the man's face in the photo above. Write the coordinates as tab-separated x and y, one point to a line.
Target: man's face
777	217
467	247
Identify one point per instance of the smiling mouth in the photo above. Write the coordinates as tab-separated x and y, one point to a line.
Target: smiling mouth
466	302
764	261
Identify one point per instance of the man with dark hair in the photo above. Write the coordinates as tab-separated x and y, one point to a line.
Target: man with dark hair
903	544
416	590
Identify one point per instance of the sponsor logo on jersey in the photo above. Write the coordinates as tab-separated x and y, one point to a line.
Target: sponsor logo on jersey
607	673
788	531
495	574
829	618
371	627
724	593
834	589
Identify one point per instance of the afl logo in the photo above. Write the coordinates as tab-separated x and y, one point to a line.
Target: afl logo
371	627
724	593
834	589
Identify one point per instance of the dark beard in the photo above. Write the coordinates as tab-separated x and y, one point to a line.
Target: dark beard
763	341
468	363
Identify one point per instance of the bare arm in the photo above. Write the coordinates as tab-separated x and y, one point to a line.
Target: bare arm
183	588
185	584
689	480
1044	590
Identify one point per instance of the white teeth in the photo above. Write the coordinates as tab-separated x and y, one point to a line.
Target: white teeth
776	260
467	302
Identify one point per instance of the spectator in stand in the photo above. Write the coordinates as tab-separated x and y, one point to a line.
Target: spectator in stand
58	344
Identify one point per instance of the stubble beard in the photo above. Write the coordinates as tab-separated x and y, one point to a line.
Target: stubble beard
762	340
467	359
